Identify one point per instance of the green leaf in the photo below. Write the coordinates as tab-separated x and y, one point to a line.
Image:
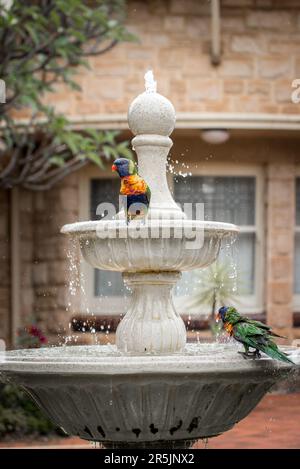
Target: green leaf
57	160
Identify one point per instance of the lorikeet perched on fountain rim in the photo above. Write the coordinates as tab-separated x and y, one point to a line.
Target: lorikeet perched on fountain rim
252	334
135	188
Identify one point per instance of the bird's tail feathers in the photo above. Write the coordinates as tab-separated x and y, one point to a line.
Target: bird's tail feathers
273	351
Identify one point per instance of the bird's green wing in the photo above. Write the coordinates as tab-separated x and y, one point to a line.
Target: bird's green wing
257	323
246	329
263	326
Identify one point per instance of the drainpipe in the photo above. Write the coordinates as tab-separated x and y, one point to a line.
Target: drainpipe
15	264
215	32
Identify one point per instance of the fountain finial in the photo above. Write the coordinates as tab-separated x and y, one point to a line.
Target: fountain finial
150	83
150	112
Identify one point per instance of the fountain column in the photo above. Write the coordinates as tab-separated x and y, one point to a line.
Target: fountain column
151	323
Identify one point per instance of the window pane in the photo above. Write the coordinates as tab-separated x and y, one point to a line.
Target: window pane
106	283
244	258
104	190
245	263
227	199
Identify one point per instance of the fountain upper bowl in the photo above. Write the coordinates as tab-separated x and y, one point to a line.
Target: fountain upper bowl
157	245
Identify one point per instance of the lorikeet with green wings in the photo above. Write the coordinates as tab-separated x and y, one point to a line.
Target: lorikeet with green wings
252	334
134	187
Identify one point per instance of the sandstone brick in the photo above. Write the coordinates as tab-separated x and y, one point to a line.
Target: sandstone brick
276	20
259	87
189	7
137	53
297	68
3	225
26	274
197	27
236	68
233	23
280	292
63	297
282	242
237	3
68	198
25	200
281	193
197	64
157	7
26	226
248	104
4	274
283	91
290	46
171	58
40	273
26	249
274	67
56	321
174	23
280	318
292	109
111	88
263	3
282	217
281	268
27	301
233	86
281	171
46	303
59	272
247	44
4	297
156	40
206	90
178	86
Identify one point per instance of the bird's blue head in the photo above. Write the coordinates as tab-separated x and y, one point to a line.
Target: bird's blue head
222	313
124	167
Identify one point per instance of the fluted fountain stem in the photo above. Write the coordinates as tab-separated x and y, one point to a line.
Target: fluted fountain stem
151	323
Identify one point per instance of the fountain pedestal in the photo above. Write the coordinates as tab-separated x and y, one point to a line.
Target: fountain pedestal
151	322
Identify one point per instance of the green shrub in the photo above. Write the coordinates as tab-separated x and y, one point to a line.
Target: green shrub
20	416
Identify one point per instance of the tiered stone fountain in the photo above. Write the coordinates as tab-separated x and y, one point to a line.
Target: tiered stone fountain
151	389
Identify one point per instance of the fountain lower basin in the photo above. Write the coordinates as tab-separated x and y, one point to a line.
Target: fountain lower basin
130	400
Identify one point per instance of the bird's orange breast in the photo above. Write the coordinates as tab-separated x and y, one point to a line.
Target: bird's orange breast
228	328
133	184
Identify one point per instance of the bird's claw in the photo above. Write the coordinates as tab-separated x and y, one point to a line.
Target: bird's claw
250	355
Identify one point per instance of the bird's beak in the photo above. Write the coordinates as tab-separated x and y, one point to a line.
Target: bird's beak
114	167
218	317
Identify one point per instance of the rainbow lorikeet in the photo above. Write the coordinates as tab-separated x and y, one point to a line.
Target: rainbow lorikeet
252	334
134	188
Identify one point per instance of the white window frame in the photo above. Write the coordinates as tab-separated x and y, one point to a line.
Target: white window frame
116	305
296	297
246	303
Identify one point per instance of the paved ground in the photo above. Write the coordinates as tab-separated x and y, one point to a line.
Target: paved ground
275	423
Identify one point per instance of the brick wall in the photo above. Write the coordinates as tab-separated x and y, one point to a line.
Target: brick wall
51	274
280	246
260	58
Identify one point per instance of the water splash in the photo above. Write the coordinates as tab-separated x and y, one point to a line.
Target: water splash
150	83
